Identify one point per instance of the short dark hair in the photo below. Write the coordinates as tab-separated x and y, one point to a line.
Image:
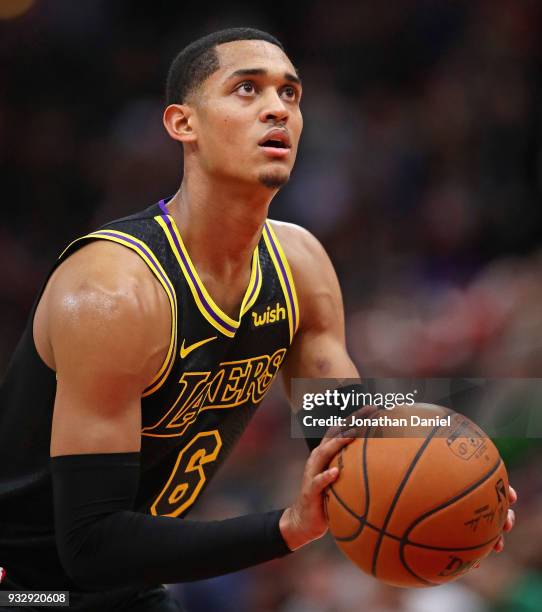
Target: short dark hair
197	61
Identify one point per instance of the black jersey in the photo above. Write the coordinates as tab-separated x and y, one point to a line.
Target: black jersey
216	372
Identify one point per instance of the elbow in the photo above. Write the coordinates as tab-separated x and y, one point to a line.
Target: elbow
85	570
82	575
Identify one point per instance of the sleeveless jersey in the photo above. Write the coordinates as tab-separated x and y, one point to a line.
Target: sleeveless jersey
216	372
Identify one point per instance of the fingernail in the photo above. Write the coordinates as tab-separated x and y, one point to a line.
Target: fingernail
333	471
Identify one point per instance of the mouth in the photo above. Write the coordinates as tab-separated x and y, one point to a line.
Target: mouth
276	143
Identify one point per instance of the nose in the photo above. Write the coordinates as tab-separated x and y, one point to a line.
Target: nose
274	110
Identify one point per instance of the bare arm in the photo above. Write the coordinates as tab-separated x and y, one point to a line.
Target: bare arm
318	351
319	347
107	323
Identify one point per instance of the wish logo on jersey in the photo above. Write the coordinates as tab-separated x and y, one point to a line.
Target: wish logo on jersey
265	315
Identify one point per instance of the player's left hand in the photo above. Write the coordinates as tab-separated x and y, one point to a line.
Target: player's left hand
305	519
510	520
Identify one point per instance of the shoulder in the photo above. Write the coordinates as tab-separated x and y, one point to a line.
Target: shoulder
298	243
314	276
104	273
305	254
103	301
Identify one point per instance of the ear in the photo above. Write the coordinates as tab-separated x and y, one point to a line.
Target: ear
179	122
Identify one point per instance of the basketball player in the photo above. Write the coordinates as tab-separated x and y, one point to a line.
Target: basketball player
151	345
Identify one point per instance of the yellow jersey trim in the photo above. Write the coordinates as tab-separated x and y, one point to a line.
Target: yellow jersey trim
206	305
285	276
145	252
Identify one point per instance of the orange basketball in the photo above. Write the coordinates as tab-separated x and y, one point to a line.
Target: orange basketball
421	508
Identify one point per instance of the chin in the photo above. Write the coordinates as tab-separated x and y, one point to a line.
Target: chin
274	179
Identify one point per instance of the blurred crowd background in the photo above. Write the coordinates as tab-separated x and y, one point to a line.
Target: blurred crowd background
420	170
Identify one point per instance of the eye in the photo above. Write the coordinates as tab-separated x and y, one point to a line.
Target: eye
290	93
246	88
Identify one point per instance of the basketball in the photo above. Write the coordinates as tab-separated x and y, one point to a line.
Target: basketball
418	506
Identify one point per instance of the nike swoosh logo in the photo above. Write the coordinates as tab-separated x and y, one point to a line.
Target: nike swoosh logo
185	351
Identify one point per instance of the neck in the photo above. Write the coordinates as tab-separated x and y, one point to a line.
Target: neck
220	222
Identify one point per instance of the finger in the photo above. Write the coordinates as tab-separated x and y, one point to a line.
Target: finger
361	413
512	495
323	480
499	545
324	453
510	521
339	432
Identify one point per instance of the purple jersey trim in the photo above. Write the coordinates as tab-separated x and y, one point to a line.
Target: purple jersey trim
284	276
256	281
206	305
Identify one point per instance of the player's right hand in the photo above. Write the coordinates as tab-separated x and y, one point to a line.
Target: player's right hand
305	519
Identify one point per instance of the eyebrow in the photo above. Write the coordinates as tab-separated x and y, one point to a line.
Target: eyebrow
288	76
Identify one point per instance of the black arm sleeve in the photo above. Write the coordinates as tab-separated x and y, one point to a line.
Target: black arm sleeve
103	543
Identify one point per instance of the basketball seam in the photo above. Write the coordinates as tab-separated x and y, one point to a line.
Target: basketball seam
405	541
392	536
457	497
397	495
361	518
